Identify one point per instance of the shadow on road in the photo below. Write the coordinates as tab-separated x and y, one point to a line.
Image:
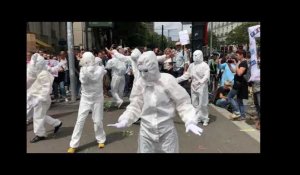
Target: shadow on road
30	127
212	118
63	132
110	138
179	122
86	146
64	114
115	136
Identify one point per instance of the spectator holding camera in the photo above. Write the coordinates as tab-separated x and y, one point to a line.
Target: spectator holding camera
240	86
228	69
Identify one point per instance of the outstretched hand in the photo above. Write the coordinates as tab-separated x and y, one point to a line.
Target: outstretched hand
194	128
121	124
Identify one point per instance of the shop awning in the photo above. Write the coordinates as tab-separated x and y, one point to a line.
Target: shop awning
41	43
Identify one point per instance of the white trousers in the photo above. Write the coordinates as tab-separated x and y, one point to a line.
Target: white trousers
200	102
117	87
40	118
97	116
167	143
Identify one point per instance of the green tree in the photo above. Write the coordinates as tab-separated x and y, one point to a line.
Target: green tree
215	41
135	34
155	40
171	43
132	33
239	35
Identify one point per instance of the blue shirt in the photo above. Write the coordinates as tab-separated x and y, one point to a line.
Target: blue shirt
180	60
227	74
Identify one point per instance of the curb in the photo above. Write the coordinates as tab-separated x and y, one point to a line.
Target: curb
244	127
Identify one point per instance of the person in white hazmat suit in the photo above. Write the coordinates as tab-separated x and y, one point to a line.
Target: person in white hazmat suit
135	54
31	77
199	72
118	79
155	98
132	59
91	78
39	88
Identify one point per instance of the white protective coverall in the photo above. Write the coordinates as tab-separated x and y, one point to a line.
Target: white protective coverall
31	77
39	88
135	54
118	79
199	72
91	78
155	98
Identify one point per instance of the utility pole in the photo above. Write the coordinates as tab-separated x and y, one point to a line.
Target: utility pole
86	36
162	37
71	61
211	33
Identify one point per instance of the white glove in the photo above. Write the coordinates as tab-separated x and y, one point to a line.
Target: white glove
194	128
121	124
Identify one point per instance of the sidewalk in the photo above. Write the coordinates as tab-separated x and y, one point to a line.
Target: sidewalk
247	125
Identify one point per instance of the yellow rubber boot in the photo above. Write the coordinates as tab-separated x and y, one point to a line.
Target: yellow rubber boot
71	150
101	145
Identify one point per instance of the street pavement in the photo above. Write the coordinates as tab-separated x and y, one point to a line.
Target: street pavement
222	135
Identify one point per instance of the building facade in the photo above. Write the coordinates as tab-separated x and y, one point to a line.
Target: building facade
79	34
150	26
53	34
222	29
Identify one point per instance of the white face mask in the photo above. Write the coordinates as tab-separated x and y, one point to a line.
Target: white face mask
135	54
148	66
198	56
143	70
88	59
39	64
